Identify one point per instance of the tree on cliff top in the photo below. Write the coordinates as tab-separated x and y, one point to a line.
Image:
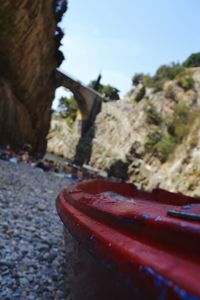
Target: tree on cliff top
192	61
167	72
137	78
108	91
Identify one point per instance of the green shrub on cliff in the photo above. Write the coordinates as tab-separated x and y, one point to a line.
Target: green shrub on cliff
185	80
178	127
192	61
153	117
161	144
165	147
168	72
108	91
137	78
152	139
148	81
141	93
162	74
165	73
175	128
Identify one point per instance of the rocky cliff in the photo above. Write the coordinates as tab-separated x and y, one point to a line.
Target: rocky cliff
151	142
62	139
29	38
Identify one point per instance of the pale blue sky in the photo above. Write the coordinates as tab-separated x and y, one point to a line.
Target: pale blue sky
120	38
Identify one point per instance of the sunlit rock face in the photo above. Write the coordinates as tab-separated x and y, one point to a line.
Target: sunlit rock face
27	69
62	139
117	141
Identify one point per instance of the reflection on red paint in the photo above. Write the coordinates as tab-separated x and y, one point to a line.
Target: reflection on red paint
132	233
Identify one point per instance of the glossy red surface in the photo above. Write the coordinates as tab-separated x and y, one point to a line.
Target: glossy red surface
131	233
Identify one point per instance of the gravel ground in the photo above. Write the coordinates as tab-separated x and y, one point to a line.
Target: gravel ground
32	257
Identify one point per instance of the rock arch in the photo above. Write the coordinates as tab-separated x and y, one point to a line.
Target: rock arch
89	101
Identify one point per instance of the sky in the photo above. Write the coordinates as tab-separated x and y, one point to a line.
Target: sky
121	38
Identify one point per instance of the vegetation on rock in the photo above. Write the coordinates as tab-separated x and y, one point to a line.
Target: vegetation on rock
108	91
192	61
154	135
137	78
153	117
173	129
60	7
173	71
68	109
141	93
185	80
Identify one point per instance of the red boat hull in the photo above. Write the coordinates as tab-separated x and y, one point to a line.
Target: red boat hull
132	234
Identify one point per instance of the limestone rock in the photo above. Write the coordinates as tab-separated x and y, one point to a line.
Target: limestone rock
117	142
122	129
62	139
182	173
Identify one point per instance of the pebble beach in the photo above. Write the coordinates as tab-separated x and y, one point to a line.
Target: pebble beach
32	255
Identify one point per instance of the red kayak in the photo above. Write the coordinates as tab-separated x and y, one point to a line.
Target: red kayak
151	240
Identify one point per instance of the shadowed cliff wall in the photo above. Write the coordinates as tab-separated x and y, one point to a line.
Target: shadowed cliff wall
28	60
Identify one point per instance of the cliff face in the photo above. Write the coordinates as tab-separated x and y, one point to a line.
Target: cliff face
153	142
158	137
27	67
62	139
182	172
15	122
